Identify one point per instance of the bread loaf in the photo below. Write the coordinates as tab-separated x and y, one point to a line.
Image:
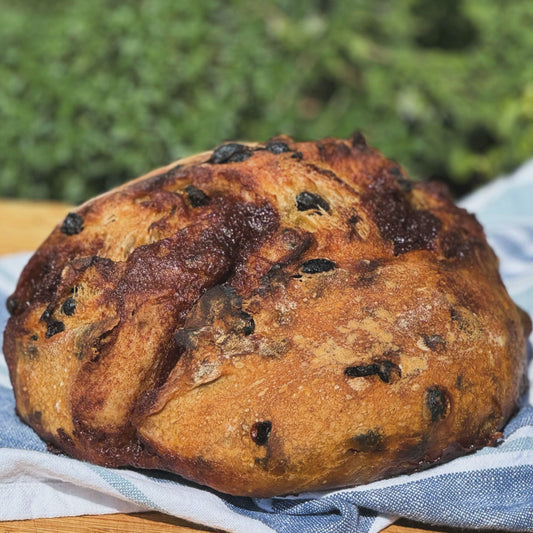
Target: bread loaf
268	319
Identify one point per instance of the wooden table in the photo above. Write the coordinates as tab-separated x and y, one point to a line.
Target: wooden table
23	226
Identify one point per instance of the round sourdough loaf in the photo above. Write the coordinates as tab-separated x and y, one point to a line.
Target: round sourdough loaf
268	319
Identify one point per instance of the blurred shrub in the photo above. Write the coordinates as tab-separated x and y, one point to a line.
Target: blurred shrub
94	93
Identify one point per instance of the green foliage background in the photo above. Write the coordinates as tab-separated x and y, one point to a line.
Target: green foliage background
93	93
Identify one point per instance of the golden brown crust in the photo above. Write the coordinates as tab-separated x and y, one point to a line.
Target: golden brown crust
266	319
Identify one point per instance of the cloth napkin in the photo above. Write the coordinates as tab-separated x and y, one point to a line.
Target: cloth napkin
492	488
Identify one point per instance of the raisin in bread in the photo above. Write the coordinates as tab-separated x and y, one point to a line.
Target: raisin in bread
268	319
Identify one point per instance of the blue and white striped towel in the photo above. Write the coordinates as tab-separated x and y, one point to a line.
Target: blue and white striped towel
492	488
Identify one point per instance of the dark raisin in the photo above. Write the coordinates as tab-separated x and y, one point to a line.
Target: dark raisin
358	140
434	342
297	155
395	171
69	306
361	371
260	432
53	327
277	147
309	200
72	224
47	314
12	304
230	153
405	184
382	369
437	403
354	219
196	197
249	323
315	266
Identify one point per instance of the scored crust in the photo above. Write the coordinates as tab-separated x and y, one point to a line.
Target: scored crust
268	319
